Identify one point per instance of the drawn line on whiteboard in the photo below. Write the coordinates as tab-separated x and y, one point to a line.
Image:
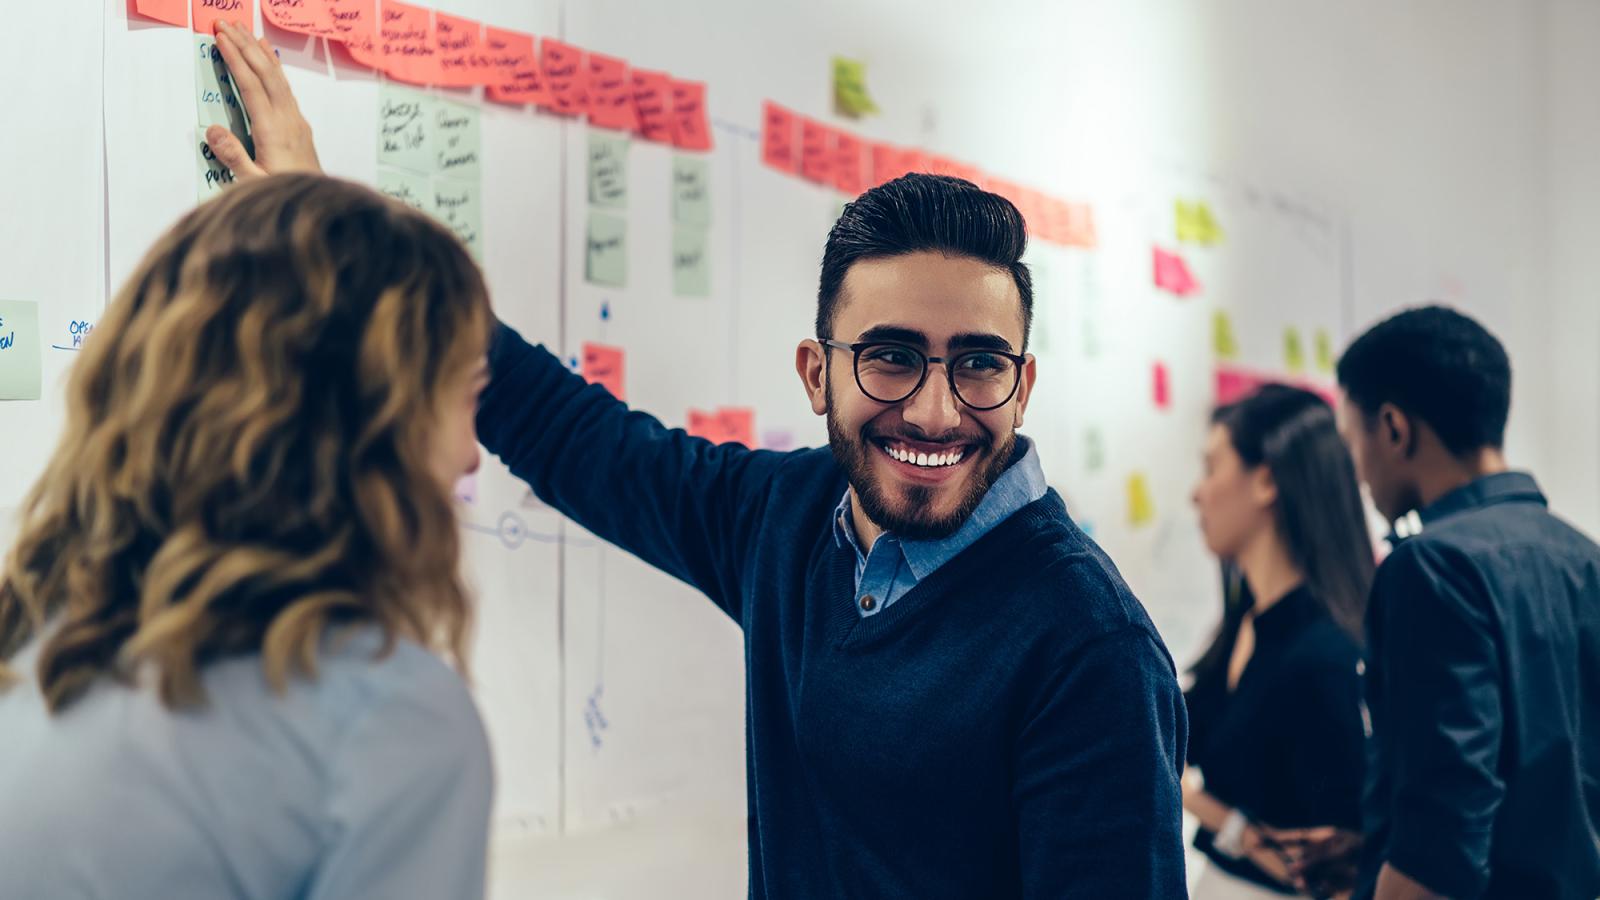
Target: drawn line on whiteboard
513	532
736	129
59	347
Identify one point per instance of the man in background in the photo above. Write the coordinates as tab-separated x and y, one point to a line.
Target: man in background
1483	679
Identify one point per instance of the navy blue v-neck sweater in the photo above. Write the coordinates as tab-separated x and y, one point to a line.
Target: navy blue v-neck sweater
1012	727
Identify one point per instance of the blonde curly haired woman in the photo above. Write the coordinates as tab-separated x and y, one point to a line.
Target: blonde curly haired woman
232	625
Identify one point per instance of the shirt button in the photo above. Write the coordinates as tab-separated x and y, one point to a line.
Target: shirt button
869	603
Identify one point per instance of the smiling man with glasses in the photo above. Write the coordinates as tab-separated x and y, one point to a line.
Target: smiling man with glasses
951	692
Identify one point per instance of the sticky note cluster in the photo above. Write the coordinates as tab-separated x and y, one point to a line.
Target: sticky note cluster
417	45
606	247
832	157
430	158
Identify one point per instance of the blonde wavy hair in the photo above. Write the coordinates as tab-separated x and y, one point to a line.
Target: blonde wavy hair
247	454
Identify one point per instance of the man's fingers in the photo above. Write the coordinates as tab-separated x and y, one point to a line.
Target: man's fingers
231	153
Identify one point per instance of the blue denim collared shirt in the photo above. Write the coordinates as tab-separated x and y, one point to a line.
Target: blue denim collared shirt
895	566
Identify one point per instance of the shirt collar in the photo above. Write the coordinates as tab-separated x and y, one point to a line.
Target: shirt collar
1490	490
1022	483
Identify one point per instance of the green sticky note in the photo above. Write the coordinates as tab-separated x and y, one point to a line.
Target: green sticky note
1223	343
457	145
1294	352
691	262
415	191
1094	450
850	97
459	205
1324	344
405	126
211	175
606	261
608	170
691	190
216	100
19	350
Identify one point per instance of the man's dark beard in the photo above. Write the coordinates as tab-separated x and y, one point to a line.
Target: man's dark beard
912	522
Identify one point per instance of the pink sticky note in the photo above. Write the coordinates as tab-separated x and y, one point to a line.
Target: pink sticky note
409	52
778	133
1172	274
966	172
704	424
652	105
512	70
1161	385
458	47
172	12
208	12
566	77
849	163
610	93
355	25
691	124
816	151
299	16
467	489
603	365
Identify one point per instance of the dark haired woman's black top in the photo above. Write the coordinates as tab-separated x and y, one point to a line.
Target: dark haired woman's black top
1286	746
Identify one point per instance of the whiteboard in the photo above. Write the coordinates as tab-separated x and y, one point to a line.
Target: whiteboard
612	694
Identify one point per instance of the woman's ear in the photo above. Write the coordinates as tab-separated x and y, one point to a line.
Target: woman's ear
1263	487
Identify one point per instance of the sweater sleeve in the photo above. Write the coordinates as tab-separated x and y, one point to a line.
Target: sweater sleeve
1099	811
682	504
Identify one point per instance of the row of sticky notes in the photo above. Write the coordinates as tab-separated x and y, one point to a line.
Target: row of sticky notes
606	255
803	147
417	45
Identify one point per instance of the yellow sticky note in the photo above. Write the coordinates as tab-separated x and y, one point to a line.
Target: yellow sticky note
850	97
1141	509
1294	351
1196	224
1324	351
1222	340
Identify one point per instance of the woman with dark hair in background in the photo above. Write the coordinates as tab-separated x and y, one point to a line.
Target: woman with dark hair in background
1275	707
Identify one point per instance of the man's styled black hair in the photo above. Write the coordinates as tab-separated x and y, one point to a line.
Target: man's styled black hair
1438	366
919	212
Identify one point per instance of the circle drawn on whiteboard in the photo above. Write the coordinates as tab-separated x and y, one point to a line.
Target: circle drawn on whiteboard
512	530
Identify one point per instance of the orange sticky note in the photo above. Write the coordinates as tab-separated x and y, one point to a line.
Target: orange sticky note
652	105
691	125
1171	273
728	424
566	77
738	425
816	151
1080	226
208	12
299	16
458	47
778	127
409	52
603	365
610	93
511	68
172	12
355	24
849	169
890	162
